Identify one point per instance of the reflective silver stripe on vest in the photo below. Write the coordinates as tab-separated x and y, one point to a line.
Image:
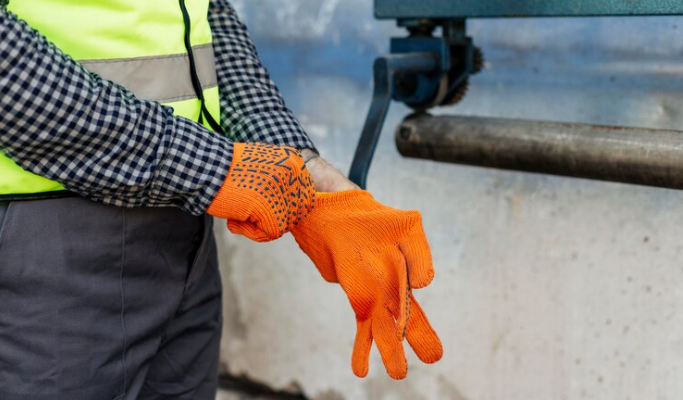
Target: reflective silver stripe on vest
159	78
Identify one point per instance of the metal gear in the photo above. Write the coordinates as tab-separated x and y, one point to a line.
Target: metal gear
461	90
478	61
458	94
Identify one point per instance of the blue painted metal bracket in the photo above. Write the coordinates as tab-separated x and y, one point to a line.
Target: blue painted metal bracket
446	9
419	89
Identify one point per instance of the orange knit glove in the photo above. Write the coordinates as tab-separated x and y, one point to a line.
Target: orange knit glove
267	191
377	254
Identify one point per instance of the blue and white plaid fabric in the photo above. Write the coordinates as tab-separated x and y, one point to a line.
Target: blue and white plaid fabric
252	109
61	122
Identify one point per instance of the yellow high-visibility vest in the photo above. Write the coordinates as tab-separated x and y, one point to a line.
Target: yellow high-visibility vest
140	44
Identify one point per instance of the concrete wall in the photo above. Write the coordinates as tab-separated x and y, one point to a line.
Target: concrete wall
546	288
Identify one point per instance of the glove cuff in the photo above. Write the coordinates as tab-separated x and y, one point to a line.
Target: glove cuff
347	198
267	189
220	205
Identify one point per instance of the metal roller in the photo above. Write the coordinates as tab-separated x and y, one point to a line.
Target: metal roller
640	156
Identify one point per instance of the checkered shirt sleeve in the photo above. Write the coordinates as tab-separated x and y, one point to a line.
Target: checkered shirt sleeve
59	121
252	109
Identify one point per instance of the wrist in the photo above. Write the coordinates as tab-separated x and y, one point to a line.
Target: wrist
325	177
309	155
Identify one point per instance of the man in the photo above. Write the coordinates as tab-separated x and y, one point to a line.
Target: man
109	287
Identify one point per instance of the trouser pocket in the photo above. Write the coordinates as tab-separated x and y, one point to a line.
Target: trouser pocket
4	205
4	210
204	258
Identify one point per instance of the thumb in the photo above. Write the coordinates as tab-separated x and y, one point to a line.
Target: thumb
415	249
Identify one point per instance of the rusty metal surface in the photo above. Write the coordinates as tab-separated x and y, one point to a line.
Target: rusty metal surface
523	8
621	154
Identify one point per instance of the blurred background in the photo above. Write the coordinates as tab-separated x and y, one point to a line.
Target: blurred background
545	288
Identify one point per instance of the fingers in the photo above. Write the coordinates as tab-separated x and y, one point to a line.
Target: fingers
403	299
251	231
415	249
257	225
390	347
361	348
421	335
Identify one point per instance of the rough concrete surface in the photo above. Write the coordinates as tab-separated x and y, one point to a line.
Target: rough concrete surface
236	395
546	288
225	395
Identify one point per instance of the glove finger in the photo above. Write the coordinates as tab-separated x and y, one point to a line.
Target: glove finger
361	348
251	230
403	298
418	257
421	336
390	348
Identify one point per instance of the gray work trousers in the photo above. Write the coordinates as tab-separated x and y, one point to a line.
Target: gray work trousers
106	303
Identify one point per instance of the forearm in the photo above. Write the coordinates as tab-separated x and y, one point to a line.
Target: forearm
252	109
93	136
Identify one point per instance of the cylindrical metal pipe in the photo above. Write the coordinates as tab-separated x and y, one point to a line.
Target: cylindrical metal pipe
640	156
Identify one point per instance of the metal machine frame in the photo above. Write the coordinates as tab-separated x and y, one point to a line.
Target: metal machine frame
447	9
426	71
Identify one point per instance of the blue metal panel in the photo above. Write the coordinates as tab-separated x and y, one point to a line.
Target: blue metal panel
391	9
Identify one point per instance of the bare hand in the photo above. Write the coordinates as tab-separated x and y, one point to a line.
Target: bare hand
326	178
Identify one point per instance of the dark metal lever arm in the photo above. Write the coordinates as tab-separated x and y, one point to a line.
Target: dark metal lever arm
385	70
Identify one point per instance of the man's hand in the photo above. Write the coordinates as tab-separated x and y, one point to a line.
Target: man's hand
326	178
267	191
378	255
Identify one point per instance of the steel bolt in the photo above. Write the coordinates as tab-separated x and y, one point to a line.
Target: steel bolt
405	132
